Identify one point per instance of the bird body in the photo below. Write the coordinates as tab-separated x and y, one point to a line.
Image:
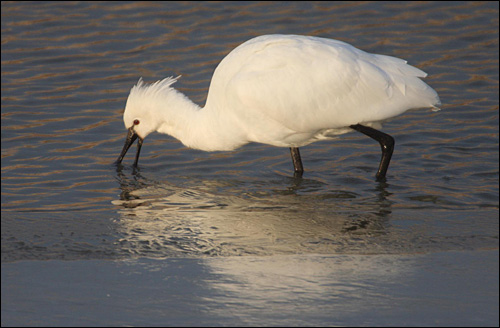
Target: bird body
282	90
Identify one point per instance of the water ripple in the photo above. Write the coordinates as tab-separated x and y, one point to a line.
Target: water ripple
67	68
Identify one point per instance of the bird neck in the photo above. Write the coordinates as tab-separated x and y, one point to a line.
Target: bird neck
199	128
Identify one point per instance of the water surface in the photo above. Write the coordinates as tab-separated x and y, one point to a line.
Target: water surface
67	69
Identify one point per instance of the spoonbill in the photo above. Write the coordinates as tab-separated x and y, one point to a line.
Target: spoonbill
284	91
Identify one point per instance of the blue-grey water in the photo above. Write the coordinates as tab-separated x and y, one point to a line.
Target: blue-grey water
236	227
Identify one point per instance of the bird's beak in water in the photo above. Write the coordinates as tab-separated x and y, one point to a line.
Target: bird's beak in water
131	136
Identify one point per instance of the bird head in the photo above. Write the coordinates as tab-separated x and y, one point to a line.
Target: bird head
141	116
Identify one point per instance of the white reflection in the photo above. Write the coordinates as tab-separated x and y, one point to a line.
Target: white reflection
211	219
305	289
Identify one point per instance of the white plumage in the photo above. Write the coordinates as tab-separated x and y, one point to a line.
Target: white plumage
281	90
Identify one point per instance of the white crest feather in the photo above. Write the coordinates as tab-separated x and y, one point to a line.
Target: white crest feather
152	90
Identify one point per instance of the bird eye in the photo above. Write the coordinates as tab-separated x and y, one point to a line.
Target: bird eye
136	122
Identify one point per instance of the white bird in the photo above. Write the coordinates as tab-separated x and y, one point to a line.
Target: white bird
285	91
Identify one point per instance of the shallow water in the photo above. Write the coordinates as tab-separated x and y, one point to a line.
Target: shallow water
67	69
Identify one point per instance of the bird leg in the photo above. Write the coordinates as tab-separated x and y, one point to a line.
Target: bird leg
297	162
386	143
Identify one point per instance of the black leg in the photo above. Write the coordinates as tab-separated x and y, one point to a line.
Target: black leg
386	143
297	162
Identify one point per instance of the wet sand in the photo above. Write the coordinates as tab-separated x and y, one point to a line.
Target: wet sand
437	289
